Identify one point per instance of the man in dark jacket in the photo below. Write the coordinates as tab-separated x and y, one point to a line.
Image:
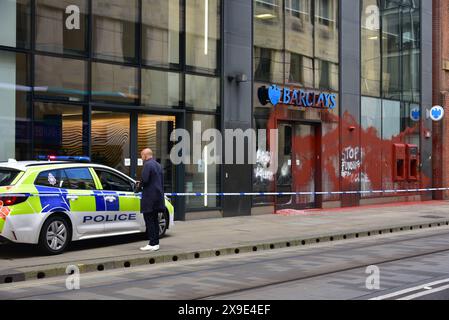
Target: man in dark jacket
153	200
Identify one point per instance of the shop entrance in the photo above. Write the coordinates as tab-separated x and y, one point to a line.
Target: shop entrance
118	137
298	165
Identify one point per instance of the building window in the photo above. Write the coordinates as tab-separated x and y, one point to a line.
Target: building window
58	129
202	93
268	41
60	78
391	49
114	83
202	176
160	88
15	23
52	31
298	45
161	33
203	25
14	96
114	29
371	48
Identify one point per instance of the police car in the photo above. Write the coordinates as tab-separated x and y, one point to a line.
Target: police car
69	199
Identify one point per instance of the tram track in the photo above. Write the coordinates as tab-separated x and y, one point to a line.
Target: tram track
337	249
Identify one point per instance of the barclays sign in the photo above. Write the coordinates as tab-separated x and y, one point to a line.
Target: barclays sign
300	98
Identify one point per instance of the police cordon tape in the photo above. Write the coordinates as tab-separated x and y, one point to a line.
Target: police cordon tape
222	194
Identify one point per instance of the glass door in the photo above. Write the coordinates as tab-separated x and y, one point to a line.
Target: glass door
297	171
117	138
111	139
154	131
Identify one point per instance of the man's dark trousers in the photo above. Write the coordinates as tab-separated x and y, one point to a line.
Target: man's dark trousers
153	200
152	224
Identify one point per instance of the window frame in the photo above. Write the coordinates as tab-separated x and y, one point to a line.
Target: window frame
115	174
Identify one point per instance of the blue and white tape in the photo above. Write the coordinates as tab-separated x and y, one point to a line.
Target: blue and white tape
235	194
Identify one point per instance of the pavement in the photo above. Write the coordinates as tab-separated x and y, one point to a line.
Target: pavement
220	237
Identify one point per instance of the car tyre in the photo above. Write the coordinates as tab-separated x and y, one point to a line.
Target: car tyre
164	221
55	236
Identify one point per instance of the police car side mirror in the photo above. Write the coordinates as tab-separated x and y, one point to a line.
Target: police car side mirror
137	187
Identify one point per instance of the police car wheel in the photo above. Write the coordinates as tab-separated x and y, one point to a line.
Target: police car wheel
55	236
164	219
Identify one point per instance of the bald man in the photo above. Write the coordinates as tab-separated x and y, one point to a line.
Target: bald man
153	200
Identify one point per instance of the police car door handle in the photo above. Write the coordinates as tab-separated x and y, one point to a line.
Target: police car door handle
110	198
72	198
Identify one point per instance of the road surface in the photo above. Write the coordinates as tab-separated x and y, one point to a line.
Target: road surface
412	266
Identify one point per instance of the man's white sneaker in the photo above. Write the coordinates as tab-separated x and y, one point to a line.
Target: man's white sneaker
150	248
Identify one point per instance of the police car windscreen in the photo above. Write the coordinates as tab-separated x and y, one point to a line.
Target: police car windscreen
7	176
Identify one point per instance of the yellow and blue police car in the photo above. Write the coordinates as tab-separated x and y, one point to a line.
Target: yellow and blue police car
51	203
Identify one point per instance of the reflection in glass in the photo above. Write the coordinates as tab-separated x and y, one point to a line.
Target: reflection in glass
203	23
299	31
410	125
160	32
110	134
371	116
114	29
60	77
202	93
268	41
326	44
311	46
52	33
195	174
371	52
411	54
15	23
58	129
160	88
14	118
391	119
114	83
391	41
391	51
154	132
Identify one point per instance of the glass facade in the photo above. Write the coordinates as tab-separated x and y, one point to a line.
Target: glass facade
391	49
296	42
391	73
106	78
296	45
68	39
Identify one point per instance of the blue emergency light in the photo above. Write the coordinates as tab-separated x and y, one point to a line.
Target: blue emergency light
79	159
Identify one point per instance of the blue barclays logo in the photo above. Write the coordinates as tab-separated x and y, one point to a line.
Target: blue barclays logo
415	114
437	113
274	94
299	98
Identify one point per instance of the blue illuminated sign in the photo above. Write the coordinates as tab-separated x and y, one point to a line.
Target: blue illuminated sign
300	98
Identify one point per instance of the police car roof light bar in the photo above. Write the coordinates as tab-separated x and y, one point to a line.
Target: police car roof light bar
79	159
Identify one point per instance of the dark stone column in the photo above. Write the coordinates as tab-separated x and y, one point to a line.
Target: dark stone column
237	96
350	90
